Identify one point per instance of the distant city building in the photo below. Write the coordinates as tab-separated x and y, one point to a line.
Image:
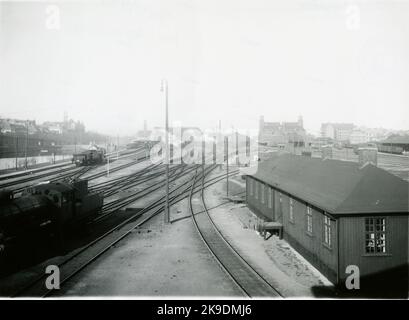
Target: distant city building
22	127
279	133
8	126
340	132
54	127
359	137
5	126
21	137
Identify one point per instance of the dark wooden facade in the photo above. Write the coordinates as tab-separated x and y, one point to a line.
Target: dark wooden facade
335	241
352	245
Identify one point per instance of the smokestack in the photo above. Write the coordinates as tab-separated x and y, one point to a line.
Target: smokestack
145	126
261	122
326	152
368	155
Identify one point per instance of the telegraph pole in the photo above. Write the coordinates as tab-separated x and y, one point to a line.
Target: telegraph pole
117	146
108	166
16	152
25	149
203	155
237	147
165	90
227	162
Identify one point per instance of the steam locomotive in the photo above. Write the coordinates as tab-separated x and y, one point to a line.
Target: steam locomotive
47	208
89	157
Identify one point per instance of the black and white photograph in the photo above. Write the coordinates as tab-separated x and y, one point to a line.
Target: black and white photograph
231	150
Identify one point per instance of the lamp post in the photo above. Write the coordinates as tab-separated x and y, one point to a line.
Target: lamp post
16	137
26	146
227	164
164	88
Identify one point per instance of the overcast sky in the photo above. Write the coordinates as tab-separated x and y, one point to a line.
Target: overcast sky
102	62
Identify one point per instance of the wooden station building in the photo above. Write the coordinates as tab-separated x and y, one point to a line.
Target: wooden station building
336	214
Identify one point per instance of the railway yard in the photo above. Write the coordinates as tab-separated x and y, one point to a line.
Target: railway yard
127	249
210	248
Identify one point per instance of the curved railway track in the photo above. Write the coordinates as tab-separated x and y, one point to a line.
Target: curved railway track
252	283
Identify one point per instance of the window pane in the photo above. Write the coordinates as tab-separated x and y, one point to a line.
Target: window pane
375	236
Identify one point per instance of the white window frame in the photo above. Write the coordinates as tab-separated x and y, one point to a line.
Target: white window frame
291	203
262	193
327	231
309	220
375	235
256	189
270	194
251	186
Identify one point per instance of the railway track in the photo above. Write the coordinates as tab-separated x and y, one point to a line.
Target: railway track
112	186
252	283
32	171
59	173
68	173
115	205
77	261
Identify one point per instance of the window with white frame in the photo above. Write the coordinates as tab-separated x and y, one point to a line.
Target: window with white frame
375	235
251	181
309	219
291	210
327	231
280	198
262	192
270	194
256	189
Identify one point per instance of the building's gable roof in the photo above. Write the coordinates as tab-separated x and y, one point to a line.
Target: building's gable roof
338	187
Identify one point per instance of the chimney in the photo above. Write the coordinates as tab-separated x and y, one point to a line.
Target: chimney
326	152
261	122
368	155
300	122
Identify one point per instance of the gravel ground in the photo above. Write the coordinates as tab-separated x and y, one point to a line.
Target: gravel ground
156	260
